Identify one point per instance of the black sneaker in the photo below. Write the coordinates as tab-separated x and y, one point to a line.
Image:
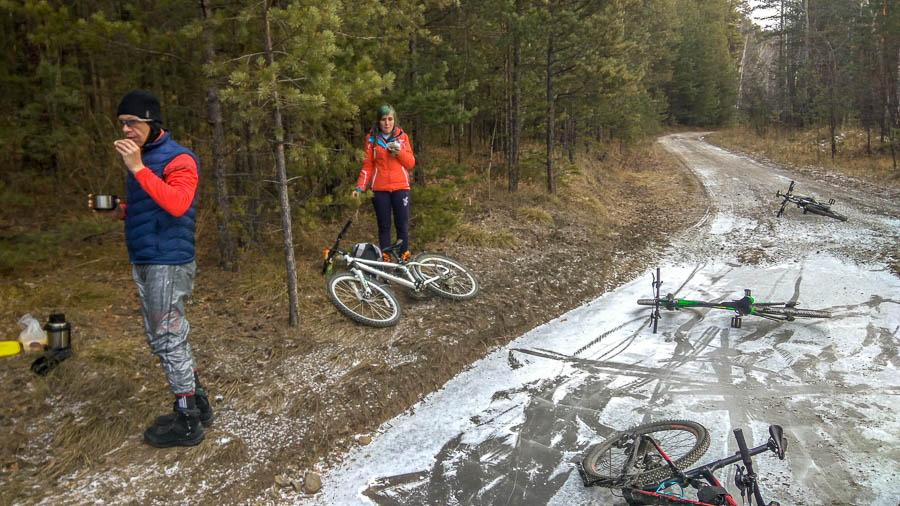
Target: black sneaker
206	412
184	429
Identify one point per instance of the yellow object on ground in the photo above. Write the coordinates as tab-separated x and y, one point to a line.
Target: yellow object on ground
10	348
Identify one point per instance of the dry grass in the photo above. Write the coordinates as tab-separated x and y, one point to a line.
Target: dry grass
534	215
812	149
473	235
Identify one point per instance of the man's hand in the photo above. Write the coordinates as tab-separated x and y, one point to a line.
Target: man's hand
131	154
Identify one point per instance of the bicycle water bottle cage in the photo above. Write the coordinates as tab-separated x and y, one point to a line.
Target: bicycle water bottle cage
671	483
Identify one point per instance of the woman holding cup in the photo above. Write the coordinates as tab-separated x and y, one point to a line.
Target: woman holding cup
385	167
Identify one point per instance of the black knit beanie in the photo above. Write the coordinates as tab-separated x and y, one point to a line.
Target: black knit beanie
142	104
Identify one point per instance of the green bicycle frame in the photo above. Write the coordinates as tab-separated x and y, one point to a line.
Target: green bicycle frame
742	306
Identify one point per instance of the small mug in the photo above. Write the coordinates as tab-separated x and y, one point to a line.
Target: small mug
104	202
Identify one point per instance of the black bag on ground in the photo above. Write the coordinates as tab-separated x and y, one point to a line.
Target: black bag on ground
50	359
366	250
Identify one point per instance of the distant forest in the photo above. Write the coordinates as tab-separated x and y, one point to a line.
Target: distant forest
275	96
826	63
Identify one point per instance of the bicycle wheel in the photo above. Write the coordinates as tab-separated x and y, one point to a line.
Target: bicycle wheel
790	313
683	441
378	308
646	302
453	280
823	211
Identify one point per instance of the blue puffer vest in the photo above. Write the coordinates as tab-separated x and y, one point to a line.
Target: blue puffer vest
152	235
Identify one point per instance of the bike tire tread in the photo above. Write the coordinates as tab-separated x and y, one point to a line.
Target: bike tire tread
794	312
657	474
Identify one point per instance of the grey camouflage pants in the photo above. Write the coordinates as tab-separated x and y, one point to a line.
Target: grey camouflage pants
162	290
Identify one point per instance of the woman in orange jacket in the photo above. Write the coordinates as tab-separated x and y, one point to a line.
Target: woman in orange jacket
385	167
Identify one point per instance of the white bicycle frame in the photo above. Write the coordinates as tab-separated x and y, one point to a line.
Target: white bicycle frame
357	265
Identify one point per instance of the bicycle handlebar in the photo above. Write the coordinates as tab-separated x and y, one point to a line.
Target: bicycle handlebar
750	479
334	249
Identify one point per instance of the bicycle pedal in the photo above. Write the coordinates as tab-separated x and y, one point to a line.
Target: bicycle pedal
735	322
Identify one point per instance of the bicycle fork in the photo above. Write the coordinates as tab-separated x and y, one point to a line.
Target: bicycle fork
639	450
366	293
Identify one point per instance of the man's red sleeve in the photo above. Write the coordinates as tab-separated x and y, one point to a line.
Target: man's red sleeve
175	191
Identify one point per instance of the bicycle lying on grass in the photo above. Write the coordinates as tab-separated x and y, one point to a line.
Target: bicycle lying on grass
646	462
808	204
745	306
361	292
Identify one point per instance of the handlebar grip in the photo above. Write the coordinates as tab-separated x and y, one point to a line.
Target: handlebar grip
742	446
343	230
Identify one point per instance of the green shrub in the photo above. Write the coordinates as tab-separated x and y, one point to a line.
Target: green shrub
435	211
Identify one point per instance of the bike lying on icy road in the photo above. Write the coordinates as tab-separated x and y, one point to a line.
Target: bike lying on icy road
361	292
646	462
745	306
808	204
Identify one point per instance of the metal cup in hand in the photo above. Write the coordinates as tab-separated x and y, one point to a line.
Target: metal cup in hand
104	202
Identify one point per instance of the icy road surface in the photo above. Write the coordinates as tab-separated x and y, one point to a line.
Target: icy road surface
510	429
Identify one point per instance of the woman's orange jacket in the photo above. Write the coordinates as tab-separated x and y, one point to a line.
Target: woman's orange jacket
383	171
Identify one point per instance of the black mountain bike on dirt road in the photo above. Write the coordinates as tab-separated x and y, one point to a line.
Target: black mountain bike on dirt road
362	294
745	306
808	204
647	463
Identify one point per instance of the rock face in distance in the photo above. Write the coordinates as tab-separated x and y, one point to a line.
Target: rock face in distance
311	483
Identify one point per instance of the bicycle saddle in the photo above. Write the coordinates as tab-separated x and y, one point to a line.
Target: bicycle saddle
742	305
777	439
712	495
394	249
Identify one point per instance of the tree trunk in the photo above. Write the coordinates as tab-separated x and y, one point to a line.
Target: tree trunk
506	136
227	256
570	138
551	110
459	136
515	131
253	205
417	124
293	309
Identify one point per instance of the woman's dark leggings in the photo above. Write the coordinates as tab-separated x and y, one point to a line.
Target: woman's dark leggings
384	202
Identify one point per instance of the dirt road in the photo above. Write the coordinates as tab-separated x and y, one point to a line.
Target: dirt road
510	429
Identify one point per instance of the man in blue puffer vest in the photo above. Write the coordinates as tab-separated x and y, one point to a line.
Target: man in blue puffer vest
159	232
